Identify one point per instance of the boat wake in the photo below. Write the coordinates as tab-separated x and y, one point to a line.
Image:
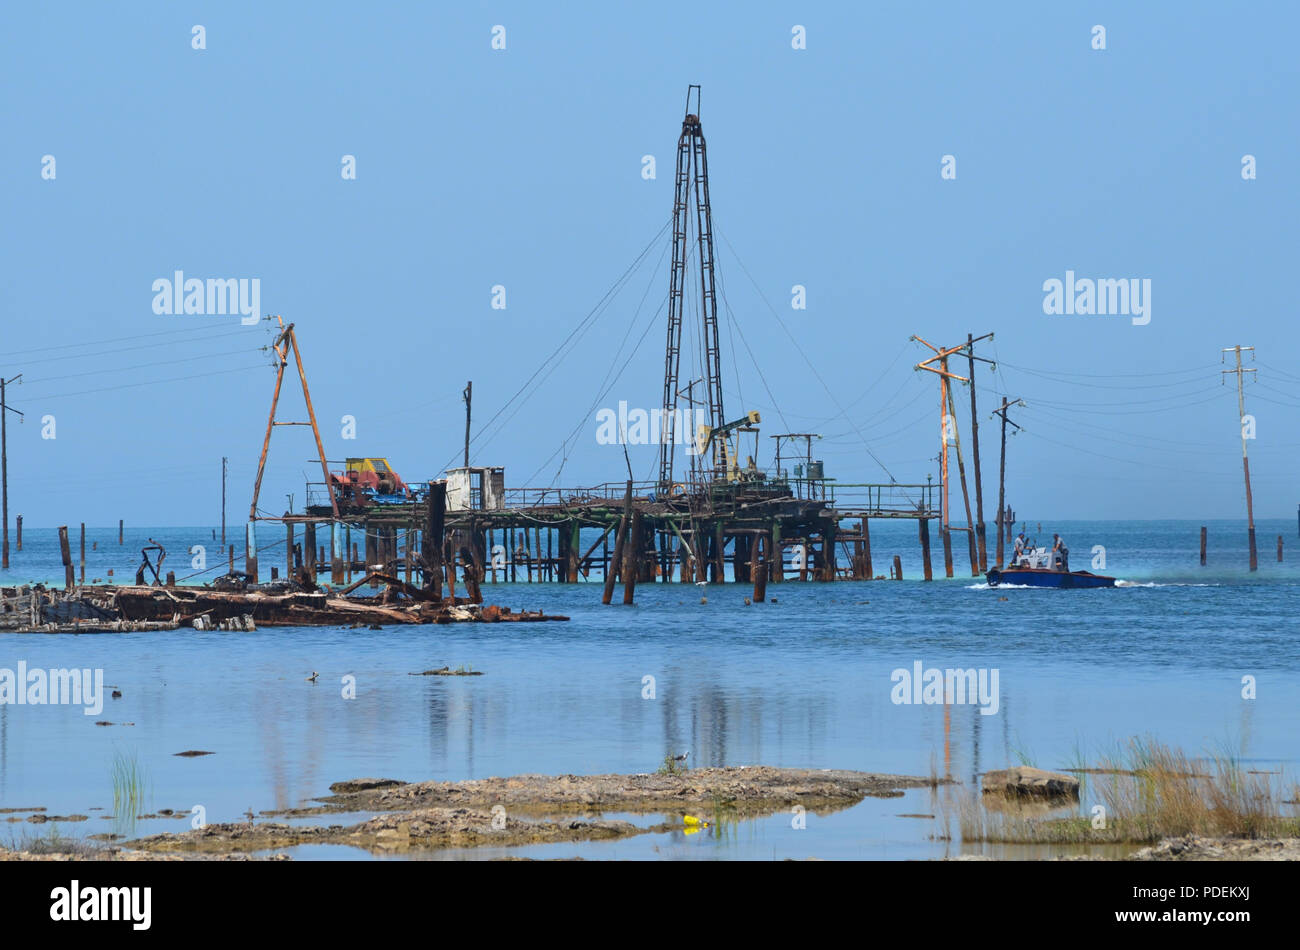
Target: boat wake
1123	583
1118	583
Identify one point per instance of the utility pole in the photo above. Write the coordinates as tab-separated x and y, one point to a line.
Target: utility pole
1245	460
975	451
1002	471
468	396
961	471
947	422
5	409
223	502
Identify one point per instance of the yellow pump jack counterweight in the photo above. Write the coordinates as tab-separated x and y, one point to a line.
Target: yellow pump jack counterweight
719	439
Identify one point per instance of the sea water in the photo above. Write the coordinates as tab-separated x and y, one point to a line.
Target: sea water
805	680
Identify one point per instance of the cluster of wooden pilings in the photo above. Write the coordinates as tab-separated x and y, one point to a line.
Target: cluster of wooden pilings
1205	539
755	538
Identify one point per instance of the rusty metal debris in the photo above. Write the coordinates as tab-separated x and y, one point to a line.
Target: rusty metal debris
238	607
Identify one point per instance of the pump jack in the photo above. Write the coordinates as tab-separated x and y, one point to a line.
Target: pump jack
725	454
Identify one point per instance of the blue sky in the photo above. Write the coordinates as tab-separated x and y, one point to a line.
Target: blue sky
522	168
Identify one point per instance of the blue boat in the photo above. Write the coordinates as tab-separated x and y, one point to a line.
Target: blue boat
1045	577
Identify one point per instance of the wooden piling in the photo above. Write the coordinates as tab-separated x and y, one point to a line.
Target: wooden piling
232	559
410	558
469	573
776	553
309	550
620	543
632	554
336	553
1202	545
762	545
82	572
740	570
829	534
1279	549
575	549
866	549
20	532
119	531
947	551
372	543
434	520
288	549
923	529
898	568
275	572
563	537
449	563
68	577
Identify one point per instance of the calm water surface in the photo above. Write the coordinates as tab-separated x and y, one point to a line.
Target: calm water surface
801	681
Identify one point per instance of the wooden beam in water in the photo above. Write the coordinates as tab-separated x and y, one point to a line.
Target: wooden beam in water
631	555
67	558
620	543
762	544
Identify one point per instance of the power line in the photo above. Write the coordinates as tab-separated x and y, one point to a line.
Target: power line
128	369
128	349
817	375
120	339
152	382
575	333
